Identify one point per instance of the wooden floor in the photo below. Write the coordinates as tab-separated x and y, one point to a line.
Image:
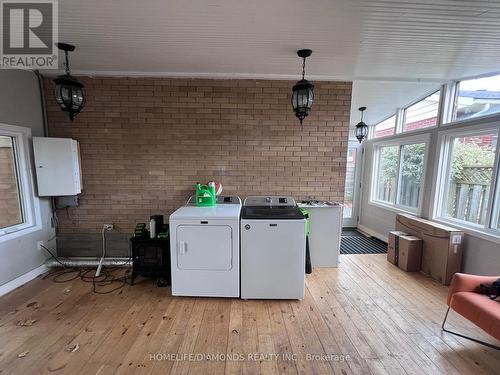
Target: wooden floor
366	317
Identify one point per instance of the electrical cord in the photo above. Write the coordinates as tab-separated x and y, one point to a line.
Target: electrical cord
106	278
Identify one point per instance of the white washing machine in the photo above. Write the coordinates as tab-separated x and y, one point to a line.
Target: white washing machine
205	249
273	243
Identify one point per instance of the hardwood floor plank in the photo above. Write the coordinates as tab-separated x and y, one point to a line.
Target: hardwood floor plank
381	319
429	323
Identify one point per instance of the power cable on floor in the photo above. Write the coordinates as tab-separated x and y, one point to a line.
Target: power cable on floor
107	276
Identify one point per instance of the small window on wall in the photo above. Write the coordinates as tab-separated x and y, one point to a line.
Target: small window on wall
399	173
476	98
470	178
423	114
385	128
11	212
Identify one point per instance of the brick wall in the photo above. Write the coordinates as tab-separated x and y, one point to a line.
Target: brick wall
145	142
10	213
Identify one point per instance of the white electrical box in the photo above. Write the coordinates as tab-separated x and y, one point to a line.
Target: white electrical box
57	164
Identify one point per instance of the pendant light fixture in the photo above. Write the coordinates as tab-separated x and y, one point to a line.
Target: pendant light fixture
68	91
303	90
361	127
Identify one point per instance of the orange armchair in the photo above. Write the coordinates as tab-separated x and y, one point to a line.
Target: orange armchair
464	297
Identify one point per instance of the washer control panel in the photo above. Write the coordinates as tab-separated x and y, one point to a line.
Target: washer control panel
270	201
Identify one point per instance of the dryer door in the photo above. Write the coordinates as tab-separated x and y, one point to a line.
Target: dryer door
204	247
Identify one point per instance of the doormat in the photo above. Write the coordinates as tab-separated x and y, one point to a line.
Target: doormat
352	243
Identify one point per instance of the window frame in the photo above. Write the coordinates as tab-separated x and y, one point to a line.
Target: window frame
29	202
422	98
395	115
400	142
452	98
441	188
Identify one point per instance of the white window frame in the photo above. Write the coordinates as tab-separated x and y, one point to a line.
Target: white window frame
372	133
451	101
402	122
29	202
400	141
440	189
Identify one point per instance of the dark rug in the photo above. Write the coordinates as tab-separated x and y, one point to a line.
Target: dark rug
357	243
351	232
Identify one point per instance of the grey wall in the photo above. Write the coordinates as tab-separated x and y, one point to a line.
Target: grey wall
20	105
481	257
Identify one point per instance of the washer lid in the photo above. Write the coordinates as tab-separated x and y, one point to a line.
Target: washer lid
266	212
217	212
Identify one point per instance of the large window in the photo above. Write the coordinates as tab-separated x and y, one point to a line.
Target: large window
399	171
423	114
385	128
469	178
10	202
476	98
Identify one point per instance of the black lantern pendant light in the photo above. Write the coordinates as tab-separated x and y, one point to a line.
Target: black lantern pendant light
68	91
361	127
303	91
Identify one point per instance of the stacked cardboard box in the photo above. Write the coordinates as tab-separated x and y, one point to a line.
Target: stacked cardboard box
442	246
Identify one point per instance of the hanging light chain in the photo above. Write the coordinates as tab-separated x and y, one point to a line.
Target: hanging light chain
303	67
68	71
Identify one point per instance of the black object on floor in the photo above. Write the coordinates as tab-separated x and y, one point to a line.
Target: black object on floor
357	243
308	257
151	258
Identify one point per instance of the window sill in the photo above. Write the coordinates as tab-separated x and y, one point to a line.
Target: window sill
20	231
390	207
486	234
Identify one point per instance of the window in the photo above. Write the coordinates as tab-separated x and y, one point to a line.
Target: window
469	177
399	172
385	128
350	178
476	98
410	178
10	202
423	114
386	173
19	208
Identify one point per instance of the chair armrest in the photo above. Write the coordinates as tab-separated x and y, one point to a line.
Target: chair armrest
463	282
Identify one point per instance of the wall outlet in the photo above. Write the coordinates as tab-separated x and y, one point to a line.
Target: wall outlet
109	226
39	246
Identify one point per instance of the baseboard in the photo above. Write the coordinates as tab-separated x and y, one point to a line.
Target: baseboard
23	279
372	233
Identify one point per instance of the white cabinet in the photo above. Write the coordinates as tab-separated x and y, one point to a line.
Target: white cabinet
57	164
324	234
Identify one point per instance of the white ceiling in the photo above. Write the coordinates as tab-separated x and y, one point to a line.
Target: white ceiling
381	40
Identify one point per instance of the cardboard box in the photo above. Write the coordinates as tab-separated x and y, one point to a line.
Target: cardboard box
410	253
442	246
393	246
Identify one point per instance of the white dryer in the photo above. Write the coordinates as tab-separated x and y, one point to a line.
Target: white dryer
204	249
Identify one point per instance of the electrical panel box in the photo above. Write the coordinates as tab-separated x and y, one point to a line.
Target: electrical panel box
57	164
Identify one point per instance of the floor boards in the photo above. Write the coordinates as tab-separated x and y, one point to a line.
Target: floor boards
366	317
